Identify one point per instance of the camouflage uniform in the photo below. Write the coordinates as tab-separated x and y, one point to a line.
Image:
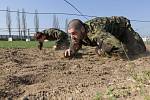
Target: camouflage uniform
62	38
110	35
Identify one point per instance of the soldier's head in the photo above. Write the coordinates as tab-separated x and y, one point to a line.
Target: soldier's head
76	29
40	37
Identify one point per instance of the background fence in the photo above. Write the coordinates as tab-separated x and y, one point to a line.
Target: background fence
17	24
21	30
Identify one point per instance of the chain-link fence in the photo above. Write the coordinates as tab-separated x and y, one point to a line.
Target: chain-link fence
23	30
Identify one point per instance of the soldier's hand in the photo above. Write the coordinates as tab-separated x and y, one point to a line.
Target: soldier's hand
67	53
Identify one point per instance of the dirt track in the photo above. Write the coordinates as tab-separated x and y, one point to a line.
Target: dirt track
33	74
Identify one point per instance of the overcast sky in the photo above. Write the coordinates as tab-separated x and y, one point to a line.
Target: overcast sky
132	9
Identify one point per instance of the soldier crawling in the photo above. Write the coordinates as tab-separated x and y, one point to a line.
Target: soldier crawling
108	34
52	34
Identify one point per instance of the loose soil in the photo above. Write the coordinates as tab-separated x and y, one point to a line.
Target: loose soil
31	74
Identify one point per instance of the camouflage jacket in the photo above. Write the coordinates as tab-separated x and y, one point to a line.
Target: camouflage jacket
111	34
60	36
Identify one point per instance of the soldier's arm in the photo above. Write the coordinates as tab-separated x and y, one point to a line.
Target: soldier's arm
87	42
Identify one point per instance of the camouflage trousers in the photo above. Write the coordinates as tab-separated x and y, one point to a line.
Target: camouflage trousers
107	44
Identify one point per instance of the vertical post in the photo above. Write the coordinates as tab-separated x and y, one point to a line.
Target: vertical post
21	36
28	35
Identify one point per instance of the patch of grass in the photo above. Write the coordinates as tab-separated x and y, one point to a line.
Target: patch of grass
98	96
118	92
111	94
142	78
147	97
24	44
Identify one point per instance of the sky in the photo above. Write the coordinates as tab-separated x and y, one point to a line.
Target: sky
132	9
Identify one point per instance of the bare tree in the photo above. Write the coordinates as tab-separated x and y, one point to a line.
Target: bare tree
36	21
18	23
66	25
24	24
55	22
8	21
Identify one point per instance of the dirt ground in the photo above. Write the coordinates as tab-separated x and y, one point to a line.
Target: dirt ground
31	74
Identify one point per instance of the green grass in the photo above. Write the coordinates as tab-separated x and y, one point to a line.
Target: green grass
98	96
24	44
